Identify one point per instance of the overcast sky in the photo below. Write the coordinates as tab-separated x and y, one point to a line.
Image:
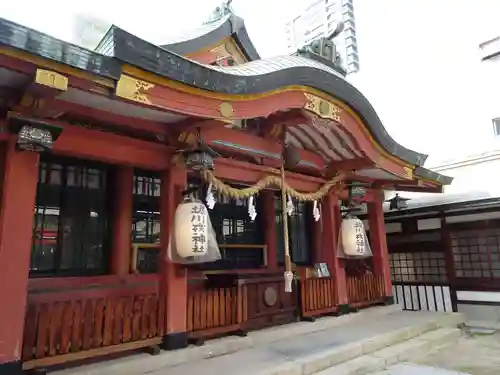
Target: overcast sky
419	58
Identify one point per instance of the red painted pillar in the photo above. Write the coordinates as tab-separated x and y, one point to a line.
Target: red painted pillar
269	224
331	224
19	180
122	220
378	242
173	277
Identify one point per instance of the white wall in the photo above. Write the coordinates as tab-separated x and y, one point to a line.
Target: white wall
489	76
482	175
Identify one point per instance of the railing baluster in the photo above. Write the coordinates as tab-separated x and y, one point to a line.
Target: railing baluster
434	295
411	297
418	297
442	298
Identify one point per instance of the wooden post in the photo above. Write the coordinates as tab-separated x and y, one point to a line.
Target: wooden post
378	242
19	182
269	223
122	220
331	225
319	254
173	277
451	274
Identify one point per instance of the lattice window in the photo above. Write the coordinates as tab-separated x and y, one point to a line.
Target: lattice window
476	253
70	221
422	266
300	226
146	209
232	226
146	219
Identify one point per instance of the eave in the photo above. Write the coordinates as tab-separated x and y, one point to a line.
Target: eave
170	85
247	81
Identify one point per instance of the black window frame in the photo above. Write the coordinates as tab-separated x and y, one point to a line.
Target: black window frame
233	213
300	232
146	195
69	188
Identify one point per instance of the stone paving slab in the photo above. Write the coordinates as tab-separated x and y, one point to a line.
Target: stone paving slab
264	356
255	360
412	369
475	355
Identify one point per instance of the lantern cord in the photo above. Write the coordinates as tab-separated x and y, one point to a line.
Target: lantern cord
336	182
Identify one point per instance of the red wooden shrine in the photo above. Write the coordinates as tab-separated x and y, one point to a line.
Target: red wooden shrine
85	224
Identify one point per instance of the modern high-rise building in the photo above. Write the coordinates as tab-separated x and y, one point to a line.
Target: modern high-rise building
321	18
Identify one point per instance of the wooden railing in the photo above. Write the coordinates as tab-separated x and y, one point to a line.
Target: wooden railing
318	297
76	326
217	311
365	290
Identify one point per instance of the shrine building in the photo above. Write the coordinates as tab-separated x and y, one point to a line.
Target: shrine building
97	149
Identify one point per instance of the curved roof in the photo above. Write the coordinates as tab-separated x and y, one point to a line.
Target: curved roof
257	77
209	34
260	76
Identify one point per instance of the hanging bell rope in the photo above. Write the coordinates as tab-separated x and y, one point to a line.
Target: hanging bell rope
337	182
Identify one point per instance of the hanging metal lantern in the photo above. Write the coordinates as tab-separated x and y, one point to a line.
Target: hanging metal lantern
33	135
199	160
398	203
200	157
357	190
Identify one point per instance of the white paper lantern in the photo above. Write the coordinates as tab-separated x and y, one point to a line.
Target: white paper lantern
353	236
191	229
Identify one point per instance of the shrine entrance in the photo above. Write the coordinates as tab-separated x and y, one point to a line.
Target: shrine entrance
244	262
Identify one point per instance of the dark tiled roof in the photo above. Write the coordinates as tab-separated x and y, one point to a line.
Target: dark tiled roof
442	202
431	175
119	46
209	34
32	41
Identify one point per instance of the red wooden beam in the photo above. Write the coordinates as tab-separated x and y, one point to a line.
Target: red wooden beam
197	105
350	165
113	119
273	125
241	142
111	148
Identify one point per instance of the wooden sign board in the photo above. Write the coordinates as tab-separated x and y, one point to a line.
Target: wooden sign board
322	270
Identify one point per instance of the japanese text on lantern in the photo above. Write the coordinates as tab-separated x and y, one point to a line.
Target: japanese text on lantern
360	237
198	224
